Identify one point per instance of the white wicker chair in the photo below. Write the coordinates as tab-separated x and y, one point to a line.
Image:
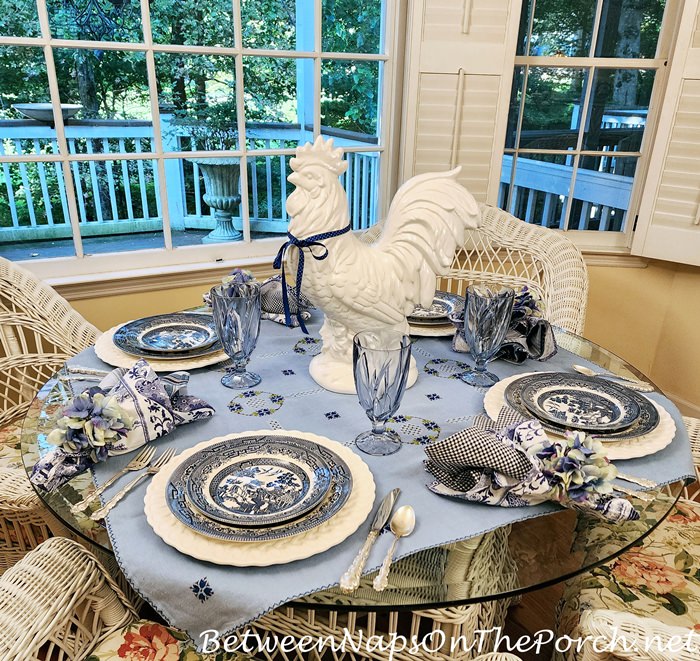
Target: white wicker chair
38	331
507	251
58	604
620	634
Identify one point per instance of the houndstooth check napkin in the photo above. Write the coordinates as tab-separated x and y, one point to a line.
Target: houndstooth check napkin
271	301
500	463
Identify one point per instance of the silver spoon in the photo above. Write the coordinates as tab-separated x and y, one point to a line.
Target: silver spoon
633	384
402	524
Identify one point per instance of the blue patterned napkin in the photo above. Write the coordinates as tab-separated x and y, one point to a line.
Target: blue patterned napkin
514	464
529	335
129	408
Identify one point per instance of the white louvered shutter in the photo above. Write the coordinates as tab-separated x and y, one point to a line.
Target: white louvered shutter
669	213
459	74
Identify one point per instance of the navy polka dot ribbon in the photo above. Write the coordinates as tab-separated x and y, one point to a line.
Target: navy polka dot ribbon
311	242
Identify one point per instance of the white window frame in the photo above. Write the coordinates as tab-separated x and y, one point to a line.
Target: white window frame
593	240
85	267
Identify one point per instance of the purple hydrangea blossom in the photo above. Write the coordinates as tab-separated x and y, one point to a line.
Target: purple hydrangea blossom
576	468
91	421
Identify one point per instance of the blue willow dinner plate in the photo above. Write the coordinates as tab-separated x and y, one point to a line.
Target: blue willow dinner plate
182	508
444	304
241	488
172	336
645	421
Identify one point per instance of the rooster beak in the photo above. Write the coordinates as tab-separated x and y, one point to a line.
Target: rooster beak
294	178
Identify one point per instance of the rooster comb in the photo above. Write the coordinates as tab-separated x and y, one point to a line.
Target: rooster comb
320	153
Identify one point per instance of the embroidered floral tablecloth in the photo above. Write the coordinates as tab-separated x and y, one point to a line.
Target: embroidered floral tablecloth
195	596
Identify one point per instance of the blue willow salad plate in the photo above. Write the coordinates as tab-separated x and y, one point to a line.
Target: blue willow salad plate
169	336
562	401
180	503
243	488
444	304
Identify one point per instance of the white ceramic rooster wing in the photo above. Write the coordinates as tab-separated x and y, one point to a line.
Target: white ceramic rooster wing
361	286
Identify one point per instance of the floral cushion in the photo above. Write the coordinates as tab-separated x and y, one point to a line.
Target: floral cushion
659	578
10	455
148	641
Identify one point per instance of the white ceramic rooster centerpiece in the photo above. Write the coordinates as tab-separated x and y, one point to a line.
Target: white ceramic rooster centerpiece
361	286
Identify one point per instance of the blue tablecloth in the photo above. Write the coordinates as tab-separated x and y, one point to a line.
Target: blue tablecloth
436	406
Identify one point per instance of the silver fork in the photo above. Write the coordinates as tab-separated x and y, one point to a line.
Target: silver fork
151	470
140	461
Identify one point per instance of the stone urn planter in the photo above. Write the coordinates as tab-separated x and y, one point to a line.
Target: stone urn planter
221	181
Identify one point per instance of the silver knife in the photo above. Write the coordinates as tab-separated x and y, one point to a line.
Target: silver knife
351	578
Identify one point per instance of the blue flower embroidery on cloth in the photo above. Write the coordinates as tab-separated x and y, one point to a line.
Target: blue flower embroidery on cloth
445	368
287	372
202	589
433	396
256	403
332	415
308	345
414	430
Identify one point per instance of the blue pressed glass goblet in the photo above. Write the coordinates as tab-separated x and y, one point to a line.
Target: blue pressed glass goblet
487	315
380	362
237	311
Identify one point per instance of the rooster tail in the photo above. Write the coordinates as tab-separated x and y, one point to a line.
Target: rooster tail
426	224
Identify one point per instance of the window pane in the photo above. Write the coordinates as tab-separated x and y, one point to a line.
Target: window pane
516	93
629	28
551	115
34	219
352	27
194	24
81	80
602	192
272	24
361	183
23	79
618	109
272	85
586	215
95	20
521	47
18	18
268	190
349	96
562	28
540	188
118	205
198	101
280	104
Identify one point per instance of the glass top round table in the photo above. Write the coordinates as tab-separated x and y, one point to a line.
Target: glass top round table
505	562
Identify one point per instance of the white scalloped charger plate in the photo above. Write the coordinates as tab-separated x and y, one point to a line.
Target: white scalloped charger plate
442	330
655	440
107	351
262	554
